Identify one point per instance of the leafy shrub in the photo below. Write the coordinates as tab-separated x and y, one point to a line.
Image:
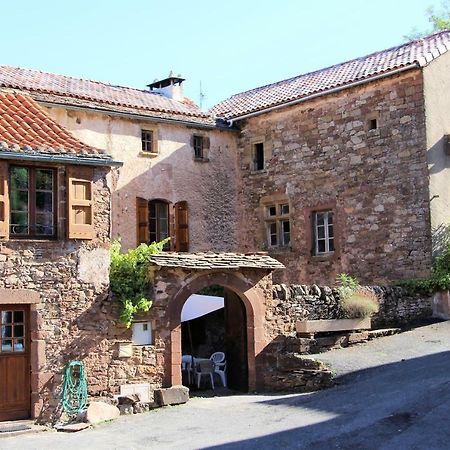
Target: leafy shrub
439	280
128	277
356	302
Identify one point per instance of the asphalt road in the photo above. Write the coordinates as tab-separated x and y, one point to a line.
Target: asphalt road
393	393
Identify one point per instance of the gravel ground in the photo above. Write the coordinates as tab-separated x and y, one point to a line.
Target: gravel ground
393	394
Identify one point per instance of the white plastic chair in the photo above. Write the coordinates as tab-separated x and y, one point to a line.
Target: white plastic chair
204	367
186	365
220	366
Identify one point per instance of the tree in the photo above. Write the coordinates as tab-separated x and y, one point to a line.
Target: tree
439	20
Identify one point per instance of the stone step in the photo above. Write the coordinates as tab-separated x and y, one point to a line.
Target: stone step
373	334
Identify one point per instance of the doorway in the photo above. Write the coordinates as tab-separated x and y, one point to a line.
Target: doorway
217	323
15	386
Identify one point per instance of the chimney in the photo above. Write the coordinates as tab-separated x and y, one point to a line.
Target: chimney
170	87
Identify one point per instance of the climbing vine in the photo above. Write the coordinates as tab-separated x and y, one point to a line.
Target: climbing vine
129	278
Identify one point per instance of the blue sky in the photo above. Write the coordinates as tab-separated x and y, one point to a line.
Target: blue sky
228	46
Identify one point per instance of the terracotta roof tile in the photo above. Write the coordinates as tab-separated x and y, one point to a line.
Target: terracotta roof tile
415	54
53	87
216	261
24	126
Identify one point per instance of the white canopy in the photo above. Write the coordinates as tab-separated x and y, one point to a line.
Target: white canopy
199	305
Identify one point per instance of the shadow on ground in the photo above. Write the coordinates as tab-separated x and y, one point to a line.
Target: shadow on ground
403	405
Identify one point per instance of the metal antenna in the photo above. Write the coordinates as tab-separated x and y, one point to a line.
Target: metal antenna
202	96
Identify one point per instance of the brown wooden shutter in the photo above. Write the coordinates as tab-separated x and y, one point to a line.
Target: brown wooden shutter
182	227
206	142
80	202
4	199
142	230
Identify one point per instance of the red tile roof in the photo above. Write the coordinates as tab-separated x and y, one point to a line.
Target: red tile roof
52	87
414	54
25	127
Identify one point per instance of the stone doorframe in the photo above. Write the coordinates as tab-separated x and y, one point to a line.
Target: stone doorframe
253	298
37	351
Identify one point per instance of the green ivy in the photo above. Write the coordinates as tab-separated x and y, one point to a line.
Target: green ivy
129	278
439	280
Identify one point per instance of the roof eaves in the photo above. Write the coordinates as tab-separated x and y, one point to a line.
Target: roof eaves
319	93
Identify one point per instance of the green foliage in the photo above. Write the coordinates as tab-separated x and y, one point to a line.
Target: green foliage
439	20
129	278
439	280
214	289
356	302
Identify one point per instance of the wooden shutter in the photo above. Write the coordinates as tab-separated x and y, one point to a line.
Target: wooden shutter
142	230
206	142
80	202
182	227
4	200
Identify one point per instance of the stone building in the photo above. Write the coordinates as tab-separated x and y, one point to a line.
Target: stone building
179	173
346	169
54	254
340	170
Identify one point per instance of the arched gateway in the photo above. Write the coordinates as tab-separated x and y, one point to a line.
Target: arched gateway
175	276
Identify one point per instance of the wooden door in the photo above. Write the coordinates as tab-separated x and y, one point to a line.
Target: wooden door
236	342
15	385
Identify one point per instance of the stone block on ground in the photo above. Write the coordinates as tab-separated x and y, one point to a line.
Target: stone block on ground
130	399
100	412
174	395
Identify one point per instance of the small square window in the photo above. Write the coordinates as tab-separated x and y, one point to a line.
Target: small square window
147	141
372	124
142	333
199	147
272	211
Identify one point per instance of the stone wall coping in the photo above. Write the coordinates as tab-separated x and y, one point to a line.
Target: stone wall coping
210	260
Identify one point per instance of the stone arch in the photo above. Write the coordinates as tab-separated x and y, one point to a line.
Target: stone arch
253	299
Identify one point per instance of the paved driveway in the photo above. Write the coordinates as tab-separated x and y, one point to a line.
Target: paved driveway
394	393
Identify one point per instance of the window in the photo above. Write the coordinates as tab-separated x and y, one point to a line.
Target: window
12	324
323	232
154	220
372	124
147	141
278	225
142	333
258	156
158	220
32	202
198	147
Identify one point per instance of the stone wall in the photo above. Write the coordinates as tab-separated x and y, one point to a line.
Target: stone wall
321	154
292	303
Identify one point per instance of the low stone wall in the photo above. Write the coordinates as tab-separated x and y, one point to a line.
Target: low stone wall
292	303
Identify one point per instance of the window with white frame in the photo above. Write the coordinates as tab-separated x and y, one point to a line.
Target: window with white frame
323	227
278	225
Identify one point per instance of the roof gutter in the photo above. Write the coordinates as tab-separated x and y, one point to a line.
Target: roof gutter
63	159
320	94
127	115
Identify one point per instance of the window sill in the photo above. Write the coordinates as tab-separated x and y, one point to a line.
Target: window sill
148	154
323	256
258	172
201	160
280	249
